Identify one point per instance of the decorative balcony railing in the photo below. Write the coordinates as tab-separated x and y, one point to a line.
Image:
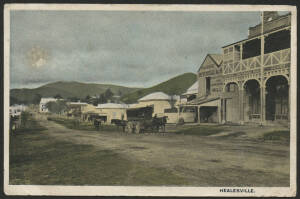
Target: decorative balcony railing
277	57
271	59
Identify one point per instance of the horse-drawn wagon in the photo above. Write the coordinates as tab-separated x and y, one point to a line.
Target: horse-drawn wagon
141	120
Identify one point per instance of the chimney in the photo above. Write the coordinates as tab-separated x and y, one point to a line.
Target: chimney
269	15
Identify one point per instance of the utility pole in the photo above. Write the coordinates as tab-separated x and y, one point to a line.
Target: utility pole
262	84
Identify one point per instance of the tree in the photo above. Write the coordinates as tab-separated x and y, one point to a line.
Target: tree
173	101
102	99
36	99
57	107
108	94
58	96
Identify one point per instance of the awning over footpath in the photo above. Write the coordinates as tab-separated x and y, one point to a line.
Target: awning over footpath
203	102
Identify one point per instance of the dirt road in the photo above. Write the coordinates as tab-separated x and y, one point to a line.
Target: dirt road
202	161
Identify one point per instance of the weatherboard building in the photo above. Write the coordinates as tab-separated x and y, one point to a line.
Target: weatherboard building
249	81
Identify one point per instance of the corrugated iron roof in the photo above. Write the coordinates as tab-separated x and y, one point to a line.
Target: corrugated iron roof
155	96
46	100
112	105
193	89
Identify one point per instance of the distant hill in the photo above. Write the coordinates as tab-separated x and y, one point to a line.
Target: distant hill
174	86
65	90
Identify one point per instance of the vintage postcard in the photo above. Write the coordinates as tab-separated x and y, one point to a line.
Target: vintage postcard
150	100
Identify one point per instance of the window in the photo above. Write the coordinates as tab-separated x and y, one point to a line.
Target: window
171	110
207	85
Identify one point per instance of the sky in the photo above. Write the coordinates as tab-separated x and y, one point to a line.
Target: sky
128	48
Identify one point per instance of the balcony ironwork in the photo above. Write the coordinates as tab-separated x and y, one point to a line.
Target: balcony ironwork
276	58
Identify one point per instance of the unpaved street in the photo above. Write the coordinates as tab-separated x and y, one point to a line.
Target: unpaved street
201	161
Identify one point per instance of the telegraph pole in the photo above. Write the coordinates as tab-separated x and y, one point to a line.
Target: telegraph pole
262	84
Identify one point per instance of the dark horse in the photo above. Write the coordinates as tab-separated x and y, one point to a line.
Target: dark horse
119	123
158	122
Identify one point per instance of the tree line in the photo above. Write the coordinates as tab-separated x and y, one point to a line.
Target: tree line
105	97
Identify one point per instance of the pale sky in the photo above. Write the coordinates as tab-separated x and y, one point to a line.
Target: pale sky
129	48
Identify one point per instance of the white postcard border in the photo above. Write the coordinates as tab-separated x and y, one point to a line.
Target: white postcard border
149	190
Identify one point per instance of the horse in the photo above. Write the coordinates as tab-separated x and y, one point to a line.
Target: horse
159	122
119	123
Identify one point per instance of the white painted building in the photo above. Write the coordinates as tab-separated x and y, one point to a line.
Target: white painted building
110	111
159	100
43	102
16	110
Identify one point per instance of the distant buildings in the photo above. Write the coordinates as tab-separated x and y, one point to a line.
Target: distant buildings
43	102
16	110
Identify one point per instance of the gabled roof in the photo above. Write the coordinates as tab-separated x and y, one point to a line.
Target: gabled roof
216	58
155	96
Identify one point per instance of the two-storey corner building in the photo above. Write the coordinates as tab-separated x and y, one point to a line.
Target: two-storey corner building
250	81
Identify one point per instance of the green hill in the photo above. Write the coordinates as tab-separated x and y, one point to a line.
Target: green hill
174	86
66	90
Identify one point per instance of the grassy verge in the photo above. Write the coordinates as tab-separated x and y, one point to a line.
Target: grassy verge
38	159
201	130
233	135
87	126
277	136
31	126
